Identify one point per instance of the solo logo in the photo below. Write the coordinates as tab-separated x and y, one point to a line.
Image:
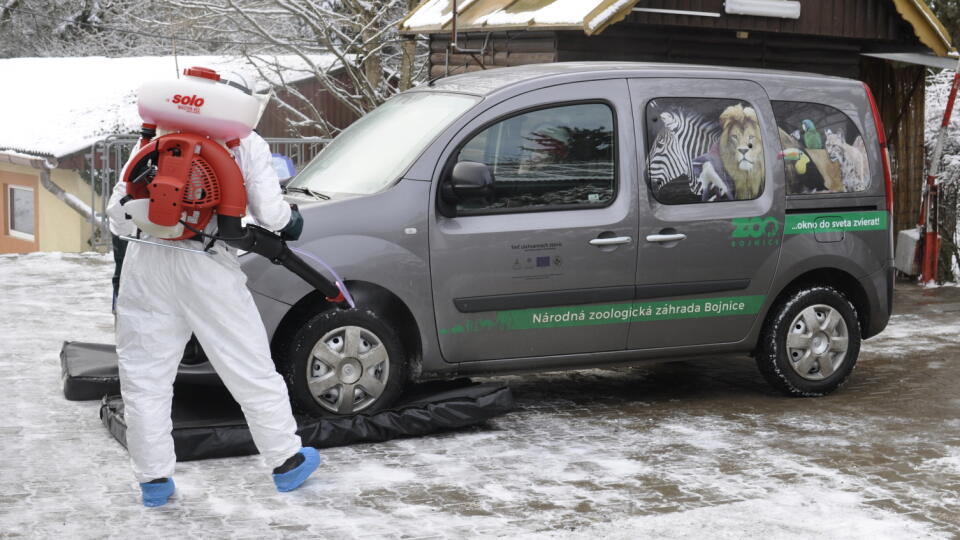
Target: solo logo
755	227
191	101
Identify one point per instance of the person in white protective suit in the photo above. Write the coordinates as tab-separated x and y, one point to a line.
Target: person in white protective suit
167	294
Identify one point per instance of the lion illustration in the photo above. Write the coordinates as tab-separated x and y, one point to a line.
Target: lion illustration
741	150
733	168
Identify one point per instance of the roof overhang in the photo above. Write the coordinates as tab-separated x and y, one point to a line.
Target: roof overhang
926	25
590	16
920	59
16	157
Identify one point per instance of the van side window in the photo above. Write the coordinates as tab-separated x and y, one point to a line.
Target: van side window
823	151
703	150
547	159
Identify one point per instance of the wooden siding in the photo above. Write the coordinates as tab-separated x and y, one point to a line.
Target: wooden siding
503	49
899	92
631	42
851	19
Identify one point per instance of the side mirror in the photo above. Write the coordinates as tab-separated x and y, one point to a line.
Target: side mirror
468	180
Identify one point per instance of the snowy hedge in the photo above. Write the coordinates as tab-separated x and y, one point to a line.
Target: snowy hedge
938	90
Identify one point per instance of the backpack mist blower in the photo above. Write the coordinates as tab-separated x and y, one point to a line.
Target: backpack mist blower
176	183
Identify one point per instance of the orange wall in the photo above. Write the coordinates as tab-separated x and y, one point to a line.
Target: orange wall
10	244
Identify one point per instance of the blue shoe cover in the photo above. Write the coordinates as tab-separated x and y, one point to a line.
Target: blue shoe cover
157	494
292	479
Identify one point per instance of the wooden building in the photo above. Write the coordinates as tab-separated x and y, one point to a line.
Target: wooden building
276	120
849	38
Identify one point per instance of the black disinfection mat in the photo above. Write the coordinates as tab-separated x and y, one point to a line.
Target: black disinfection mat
208	423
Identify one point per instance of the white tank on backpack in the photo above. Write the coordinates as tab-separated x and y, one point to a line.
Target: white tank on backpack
200	103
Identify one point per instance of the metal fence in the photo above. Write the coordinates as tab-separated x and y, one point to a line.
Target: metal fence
105	160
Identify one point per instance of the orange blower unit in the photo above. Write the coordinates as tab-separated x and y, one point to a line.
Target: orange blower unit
183	179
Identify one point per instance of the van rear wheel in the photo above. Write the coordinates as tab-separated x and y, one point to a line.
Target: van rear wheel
810	342
344	362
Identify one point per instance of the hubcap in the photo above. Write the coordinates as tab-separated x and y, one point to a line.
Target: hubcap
348	370
817	342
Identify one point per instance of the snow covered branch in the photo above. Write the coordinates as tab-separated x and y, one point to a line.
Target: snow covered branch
6	11
360	34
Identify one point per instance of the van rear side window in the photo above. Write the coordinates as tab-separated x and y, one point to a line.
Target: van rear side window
703	150
823	151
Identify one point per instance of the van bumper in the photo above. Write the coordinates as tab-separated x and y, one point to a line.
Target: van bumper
879	290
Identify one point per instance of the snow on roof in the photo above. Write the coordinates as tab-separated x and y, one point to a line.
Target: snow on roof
58	106
590	15
434	13
558	12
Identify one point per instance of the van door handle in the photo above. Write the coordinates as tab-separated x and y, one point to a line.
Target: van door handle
664	238
615	241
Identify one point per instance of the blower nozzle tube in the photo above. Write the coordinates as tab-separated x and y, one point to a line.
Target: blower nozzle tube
263	242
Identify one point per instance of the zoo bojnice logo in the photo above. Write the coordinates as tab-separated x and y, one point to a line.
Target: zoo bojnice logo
755	232
758	231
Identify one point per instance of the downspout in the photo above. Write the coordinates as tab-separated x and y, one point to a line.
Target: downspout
69	199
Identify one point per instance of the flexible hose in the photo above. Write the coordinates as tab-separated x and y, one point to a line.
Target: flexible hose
337	279
270	245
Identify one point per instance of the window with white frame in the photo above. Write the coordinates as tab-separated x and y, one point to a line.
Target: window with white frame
20	212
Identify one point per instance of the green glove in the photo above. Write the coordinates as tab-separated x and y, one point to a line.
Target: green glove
293	229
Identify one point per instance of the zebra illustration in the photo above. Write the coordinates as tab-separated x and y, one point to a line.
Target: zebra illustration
684	135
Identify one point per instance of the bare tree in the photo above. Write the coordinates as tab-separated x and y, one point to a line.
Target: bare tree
360	35
103	27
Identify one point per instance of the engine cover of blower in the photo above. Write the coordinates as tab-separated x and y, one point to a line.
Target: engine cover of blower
186	178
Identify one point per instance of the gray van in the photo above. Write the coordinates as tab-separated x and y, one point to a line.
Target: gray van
577	215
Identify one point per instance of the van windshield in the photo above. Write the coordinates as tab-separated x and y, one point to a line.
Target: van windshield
371	154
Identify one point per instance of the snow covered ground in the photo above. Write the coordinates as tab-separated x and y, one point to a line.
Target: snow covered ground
691	449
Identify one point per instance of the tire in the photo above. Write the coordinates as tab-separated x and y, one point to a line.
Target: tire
802	351
325	378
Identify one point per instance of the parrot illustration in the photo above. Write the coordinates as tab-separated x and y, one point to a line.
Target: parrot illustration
795	154
811	137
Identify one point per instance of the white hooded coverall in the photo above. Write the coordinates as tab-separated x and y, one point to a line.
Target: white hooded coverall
165	294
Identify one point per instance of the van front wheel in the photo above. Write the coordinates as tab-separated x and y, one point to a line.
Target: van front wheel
344	362
810	342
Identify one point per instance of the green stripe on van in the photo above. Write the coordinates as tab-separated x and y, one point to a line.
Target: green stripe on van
841	221
561	317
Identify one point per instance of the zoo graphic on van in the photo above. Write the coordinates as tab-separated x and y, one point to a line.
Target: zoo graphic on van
703	150
559	317
823	152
